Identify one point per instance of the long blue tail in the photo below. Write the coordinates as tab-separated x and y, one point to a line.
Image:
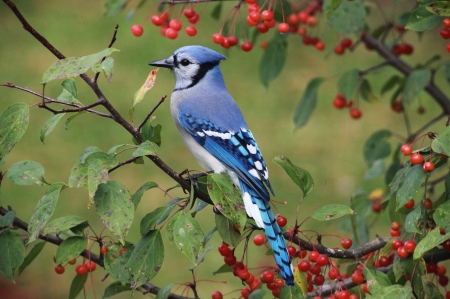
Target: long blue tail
272	230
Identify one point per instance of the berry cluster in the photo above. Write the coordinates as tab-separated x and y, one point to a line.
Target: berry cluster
343	45
445	32
87	266
341	102
417	158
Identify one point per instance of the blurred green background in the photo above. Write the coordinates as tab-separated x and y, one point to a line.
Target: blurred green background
329	146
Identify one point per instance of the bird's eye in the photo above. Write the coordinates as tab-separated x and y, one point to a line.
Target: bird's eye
185	62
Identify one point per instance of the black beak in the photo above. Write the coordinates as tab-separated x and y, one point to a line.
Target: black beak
167	63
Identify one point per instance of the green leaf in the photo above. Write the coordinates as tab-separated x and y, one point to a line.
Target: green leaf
413	180
201	256
442	215
273	59
412	220
200	205
347	83
391	82
188	236
72	117
431	290
70	92
116	288
114	205
13	124
447	186
422	20
74	66
223	269
78	176
97	173
299	176
307	103
50	125
34	252
366	92
151	133
215	14
334	4
139	95
116	262
439	8
170	226
288	292
257	294
62	223
152	219
380	279
164	292
70	249
44	210
394	291
377	169
431	240
146	259
227	198
144	149
114	7
113	151
7	219
87	152
107	68
376	146
138	195
331	212
12	253
109	161
447	71
77	285
348	18
414	84
225	227
441	144
26	172
209	235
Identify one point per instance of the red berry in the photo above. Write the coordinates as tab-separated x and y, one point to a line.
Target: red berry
232	40
410	246
217	38
245	292
395	233
446	23
137	30
384	261
301	31
244	275
262	28
267	15
250	279
322	260
397	106
291	251
59	269
319	46
395	225
263	45
304	265
292	19
346	243
224	250
416	159
357	277
282	221
315	269
246	46
406	149
346	43
396	244
122	250
279	282
366	289
171	33
401	251
194	19
344	294
431	267
250	21
230	260
103	250
428	166
339	50
270	23
339	102
443	281
175	24
302	253
355	113
259	239
319	279
410	204
191	31
427	203
376	207
81	269
72	262
448	47
441	270
216	295
189	13
283	27
445	33
446	245
333	273
256	284
272	285
157	20
255	16
268	276
313	255
90	265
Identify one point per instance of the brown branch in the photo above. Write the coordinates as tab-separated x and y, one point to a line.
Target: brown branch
113	40
131	160
138	128
148	287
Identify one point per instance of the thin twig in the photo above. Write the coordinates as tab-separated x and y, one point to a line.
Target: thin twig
437	118
138	128
131	160
113	40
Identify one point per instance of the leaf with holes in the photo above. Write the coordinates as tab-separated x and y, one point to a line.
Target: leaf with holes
331	212
70	249
116	259
227	198
299	176
307	103
188	236
26	172
114	205
12	253
146	259
74	66
13	124
44	210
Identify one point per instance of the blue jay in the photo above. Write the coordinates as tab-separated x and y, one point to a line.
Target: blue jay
214	130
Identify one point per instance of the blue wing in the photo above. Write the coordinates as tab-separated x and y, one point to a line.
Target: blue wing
237	150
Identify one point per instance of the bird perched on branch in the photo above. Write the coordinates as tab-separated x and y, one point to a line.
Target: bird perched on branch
214	130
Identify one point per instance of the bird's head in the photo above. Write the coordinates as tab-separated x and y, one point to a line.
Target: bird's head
190	64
